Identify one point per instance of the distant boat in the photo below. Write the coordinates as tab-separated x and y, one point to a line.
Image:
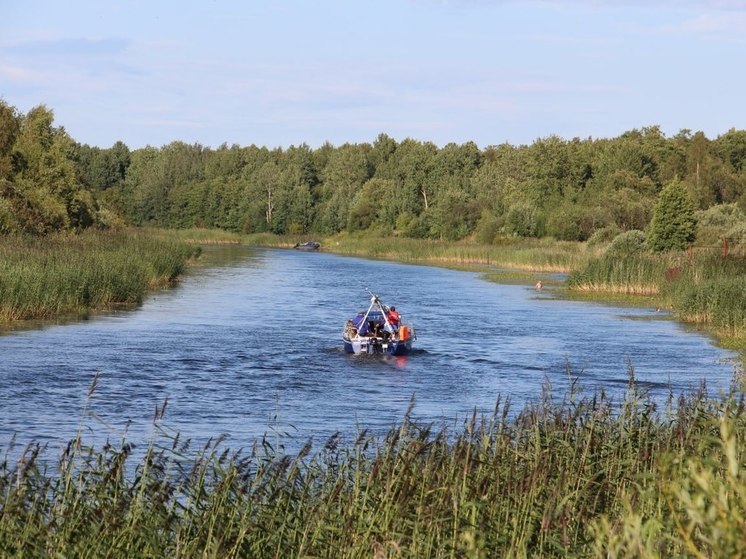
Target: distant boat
372	332
309	245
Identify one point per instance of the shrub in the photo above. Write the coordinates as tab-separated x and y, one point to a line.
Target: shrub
627	244
604	235
522	221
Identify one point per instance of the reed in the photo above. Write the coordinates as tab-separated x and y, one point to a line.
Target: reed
66	274
711	290
636	275
569	477
197	235
538	255
704	289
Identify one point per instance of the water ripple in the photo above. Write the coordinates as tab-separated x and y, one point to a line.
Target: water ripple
252	345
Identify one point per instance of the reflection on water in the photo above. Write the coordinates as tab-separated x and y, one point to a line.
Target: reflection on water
251	343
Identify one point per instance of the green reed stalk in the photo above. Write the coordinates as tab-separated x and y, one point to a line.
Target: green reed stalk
580	477
705	289
67	274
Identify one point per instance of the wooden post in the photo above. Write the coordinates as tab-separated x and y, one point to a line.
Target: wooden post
725	246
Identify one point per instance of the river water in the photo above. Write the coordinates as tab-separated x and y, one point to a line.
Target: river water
251	344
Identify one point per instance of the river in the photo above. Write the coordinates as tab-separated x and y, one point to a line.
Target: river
251	344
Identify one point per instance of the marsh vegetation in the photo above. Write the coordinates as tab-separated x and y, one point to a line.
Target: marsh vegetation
68	273
565	476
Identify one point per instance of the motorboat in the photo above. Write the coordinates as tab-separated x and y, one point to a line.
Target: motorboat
309	245
378	330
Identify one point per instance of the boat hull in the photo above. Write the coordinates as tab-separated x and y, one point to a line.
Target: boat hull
309	246
376	346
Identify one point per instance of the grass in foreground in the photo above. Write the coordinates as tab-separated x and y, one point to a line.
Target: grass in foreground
68	273
576	478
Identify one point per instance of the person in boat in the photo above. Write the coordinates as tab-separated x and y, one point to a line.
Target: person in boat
393	318
376	329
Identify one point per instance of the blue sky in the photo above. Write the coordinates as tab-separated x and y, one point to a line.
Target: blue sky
278	73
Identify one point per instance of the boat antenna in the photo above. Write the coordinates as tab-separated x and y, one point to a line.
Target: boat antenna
374	300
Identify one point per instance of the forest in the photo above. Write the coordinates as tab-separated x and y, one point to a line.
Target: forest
558	188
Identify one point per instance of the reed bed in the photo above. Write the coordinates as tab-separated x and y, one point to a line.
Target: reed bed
705	289
198	235
711	290
574	477
65	274
534	255
639	275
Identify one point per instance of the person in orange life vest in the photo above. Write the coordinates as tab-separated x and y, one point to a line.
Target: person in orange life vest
393	317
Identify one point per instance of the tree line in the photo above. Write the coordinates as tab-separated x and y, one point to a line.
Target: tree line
566	189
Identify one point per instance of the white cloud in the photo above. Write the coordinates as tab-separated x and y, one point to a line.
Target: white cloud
18	74
713	23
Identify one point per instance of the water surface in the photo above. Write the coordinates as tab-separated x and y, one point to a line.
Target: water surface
252	344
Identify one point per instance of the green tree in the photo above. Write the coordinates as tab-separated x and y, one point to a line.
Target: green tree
10	126
345	173
674	224
45	193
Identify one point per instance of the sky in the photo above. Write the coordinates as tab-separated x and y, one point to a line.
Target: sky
278	73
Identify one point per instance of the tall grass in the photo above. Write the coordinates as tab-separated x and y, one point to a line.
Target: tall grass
66	273
197	235
712	291
540	255
579	477
639	275
704	288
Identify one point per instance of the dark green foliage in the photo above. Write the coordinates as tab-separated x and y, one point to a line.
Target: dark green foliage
564	189
674	225
566	223
553	187
629	243
522	220
40	191
10	126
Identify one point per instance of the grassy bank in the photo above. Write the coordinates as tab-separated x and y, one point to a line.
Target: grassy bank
705	289
66	274
197	236
578	478
535	255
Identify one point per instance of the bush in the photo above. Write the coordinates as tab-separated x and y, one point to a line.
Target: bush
604	235
522	221
629	243
722	220
565	225
488	229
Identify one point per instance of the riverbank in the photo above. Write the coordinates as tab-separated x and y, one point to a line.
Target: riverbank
69	274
